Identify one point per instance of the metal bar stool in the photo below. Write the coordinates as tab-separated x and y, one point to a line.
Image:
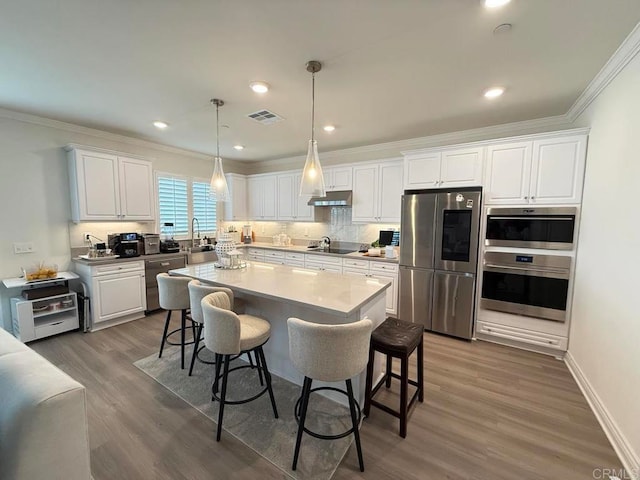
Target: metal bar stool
328	353
396	339
173	294
229	335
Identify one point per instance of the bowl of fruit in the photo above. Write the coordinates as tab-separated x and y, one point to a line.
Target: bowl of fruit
40	272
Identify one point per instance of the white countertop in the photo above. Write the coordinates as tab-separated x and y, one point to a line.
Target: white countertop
17	282
328	292
316	251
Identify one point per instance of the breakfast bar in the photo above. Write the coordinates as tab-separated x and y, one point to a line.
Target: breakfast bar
277	292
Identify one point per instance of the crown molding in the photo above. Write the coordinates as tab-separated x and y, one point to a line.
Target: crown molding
93	132
621	57
392	149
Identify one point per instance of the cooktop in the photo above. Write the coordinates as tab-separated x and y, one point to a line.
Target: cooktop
340	251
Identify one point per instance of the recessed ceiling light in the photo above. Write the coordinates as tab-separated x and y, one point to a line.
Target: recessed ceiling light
495	3
494	92
259	87
160	124
329	128
238	147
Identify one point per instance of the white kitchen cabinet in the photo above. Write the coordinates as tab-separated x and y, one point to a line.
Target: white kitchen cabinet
262	197
274	256
387	271
449	168
255	254
544	171
377	192
110	186
383	271
290	205
236	209
117	292
327	263
338	178
295	259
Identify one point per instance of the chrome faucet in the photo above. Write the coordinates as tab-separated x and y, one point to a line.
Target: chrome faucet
325	242
193	238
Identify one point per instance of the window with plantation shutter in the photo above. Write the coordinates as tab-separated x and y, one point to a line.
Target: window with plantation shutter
173	205
204	208
179	200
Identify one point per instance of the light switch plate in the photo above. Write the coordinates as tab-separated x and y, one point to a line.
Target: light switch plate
23	247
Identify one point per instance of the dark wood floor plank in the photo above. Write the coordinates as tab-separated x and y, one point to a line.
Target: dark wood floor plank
490	412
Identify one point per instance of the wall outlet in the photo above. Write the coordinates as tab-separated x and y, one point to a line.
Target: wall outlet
23	247
86	236
306	232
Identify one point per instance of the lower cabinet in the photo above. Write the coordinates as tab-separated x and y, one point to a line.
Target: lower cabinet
117	292
378	270
323	262
511	335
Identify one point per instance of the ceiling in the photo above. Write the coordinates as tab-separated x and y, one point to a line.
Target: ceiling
392	69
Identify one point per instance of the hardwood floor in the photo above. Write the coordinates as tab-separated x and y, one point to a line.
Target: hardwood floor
490	412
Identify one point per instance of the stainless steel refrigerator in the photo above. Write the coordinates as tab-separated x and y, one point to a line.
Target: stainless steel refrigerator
439	258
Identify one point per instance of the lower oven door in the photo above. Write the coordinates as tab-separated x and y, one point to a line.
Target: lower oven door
531	285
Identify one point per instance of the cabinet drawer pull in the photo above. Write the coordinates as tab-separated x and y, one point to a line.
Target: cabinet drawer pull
57	323
165	264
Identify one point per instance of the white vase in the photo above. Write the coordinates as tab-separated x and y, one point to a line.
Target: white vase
224	246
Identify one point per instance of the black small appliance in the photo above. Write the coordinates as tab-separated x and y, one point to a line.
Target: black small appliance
125	244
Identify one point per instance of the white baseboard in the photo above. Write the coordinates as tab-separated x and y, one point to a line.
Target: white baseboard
628	457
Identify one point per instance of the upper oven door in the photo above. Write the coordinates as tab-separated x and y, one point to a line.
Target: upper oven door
549	228
532	285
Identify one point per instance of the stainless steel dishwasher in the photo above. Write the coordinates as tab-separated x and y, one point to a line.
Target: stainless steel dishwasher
153	267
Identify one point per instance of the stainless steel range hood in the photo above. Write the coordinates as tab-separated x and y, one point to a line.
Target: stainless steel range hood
333	199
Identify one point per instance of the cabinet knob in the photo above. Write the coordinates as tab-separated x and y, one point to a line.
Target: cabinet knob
526	197
533	198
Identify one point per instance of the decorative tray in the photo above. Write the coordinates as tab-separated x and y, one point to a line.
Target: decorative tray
106	257
229	267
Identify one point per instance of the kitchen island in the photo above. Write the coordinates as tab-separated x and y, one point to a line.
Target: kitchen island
277	292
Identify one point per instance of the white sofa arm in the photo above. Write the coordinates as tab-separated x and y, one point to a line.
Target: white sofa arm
43	418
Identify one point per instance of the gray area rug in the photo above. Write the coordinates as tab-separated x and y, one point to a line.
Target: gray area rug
253	423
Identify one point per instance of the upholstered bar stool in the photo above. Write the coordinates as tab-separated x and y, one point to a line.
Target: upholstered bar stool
228	336
173	295
197	291
328	353
396	339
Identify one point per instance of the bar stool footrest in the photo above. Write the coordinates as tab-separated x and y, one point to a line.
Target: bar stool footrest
296	412
173	332
214	393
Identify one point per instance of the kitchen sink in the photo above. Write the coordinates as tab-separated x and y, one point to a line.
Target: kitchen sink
201	255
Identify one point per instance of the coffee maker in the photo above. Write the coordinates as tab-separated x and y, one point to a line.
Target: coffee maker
125	244
246	234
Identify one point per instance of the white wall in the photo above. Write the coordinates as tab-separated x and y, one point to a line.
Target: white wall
605	326
34	191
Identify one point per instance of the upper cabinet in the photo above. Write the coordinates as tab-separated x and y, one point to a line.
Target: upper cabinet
338	178
438	168
262	197
543	171
109	186
377	192
236	209
290	205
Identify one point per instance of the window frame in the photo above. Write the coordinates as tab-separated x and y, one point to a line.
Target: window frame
190	181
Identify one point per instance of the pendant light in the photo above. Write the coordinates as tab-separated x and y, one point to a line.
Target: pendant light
219	190
312	179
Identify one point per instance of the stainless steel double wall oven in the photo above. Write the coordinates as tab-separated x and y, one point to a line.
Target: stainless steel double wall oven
533	281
